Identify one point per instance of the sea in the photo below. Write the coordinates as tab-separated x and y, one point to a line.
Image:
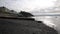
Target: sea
51	21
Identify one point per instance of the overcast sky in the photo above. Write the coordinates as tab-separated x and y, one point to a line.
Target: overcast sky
27	5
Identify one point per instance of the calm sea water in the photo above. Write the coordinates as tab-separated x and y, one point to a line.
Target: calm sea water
51	21
48	20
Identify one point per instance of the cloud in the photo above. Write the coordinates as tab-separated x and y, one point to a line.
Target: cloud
27	5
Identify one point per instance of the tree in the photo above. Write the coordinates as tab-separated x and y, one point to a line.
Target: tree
25	14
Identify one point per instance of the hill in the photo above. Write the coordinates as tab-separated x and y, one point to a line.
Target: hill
6	12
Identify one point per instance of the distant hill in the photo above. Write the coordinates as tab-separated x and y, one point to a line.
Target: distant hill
11	13
25	14
6	12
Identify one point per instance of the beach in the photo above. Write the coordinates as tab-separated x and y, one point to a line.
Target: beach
18	26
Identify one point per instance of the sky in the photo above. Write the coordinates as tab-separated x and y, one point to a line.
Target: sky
27	5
